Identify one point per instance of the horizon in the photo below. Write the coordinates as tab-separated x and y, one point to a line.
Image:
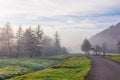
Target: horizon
74	21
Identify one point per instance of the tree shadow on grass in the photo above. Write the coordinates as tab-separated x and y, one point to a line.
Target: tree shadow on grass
67	67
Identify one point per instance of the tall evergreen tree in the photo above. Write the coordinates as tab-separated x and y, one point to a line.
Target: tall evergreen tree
57	40
38	35
19	41
57	43
29	42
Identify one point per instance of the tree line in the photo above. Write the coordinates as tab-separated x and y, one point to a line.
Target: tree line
96	49
29	42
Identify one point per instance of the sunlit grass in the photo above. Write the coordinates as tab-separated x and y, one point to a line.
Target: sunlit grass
11	67
73	68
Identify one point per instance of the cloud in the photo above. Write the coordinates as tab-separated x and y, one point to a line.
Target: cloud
72	18
36	11
70	21
32	9
87	23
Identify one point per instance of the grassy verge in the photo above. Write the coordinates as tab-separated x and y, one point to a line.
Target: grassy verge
73	68
114	58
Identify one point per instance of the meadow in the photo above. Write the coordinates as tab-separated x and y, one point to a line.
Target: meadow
71	68
11	67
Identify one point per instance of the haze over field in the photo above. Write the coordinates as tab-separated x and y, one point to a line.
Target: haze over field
73	19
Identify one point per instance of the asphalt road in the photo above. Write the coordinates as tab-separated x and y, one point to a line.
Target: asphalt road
103	69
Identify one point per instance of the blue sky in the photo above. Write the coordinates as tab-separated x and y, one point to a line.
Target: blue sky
74	19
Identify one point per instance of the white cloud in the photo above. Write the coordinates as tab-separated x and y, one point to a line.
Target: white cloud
50	8
70	21
78	24
87	23
60	15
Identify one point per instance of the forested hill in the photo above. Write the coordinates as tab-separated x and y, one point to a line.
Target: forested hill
110	37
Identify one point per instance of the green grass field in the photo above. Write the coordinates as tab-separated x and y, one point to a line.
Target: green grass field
114	58
72	68
11	67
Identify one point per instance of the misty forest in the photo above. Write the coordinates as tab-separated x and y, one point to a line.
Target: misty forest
75	40
29	42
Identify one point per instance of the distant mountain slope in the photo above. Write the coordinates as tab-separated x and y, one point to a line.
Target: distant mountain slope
110	36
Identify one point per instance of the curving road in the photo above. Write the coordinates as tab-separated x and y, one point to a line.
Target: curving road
103	69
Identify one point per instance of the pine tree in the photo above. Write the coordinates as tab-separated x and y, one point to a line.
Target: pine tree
57	40
19	41
29	42
57	43
38	35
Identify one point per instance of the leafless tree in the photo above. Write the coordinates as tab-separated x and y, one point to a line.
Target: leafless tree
7	37
97	49
104	48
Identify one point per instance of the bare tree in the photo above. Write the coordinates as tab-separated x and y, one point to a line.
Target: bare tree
104	48
97	49
7	37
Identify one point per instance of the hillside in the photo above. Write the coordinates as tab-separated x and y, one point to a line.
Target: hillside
110	36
